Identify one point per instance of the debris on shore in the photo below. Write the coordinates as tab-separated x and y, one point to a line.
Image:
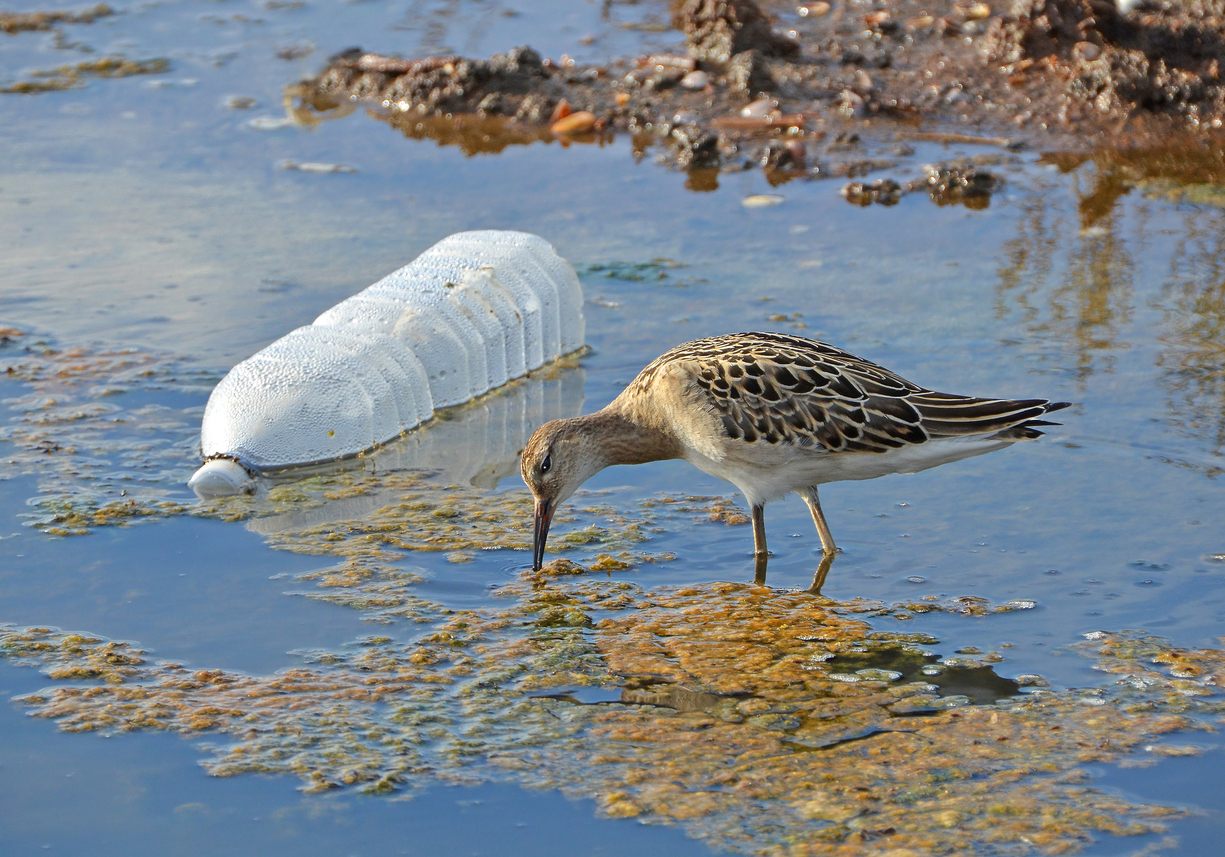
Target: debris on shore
793	89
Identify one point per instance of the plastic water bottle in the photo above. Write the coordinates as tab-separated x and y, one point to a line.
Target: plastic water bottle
469	314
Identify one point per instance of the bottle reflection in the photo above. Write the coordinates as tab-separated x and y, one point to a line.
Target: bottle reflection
476	444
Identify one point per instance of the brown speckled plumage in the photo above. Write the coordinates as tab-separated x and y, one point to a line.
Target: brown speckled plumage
777	388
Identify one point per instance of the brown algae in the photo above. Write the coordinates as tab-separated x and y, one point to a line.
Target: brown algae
75	75
20	22
736	721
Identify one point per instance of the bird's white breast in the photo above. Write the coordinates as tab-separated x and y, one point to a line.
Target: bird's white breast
765	472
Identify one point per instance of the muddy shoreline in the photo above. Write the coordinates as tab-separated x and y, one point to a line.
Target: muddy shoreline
821	89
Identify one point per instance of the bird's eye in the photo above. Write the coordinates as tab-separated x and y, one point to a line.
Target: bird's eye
546	464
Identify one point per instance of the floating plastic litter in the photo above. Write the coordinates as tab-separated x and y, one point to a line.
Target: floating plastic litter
472	312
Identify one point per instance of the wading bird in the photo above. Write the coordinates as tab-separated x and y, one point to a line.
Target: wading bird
771	414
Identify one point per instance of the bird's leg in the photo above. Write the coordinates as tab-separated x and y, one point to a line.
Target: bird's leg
760	554
818	518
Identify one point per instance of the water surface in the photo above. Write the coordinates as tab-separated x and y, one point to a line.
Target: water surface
145	213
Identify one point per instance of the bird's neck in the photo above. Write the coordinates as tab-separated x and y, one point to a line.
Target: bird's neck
618	438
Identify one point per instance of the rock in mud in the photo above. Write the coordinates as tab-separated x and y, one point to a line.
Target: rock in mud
696	148
443	83
1163	57
956	184
717	30
881	192
784	155
748	73
1036	29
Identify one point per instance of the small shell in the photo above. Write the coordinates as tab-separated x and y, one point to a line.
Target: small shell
813	10
695	80
877	20
759	109
579	122
316	167
977	12
761	200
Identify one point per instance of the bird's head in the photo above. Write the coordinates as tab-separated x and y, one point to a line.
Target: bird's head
559	457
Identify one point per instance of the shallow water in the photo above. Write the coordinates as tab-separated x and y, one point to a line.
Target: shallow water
144	213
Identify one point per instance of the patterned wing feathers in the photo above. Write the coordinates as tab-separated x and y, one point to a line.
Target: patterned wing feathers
781	389
785	389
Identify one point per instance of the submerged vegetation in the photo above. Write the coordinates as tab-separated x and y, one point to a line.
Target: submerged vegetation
20	22
726	709
76	74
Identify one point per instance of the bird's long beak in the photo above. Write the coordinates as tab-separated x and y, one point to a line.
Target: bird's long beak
544	517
